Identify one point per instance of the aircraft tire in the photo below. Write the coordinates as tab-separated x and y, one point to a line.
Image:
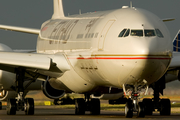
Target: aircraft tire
129	109
29	106
165	107
148	106
95	107
141	112
80	106
11	107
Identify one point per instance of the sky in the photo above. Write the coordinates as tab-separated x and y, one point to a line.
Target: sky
32	13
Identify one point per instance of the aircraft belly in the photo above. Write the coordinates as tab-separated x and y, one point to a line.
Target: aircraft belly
76	83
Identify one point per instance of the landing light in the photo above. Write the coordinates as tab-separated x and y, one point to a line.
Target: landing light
125	6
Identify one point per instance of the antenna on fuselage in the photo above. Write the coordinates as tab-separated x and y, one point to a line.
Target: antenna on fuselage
80	11
131	6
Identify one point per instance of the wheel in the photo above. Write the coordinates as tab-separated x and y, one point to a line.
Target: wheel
29	106
11	107
0	105
129	109
95	107
165	107
80	106
148	106
141	112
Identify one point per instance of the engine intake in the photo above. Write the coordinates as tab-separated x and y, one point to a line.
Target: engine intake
50	92
4	95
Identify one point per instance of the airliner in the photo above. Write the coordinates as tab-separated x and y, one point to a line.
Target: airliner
102	54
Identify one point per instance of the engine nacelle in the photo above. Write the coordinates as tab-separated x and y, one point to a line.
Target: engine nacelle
4	95
50	92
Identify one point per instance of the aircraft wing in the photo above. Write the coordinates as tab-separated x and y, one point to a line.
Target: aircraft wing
25	51
175	62
20	29
9	61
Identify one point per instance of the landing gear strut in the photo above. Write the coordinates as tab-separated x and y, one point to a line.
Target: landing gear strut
20	103
132	105
87	104
0	105
162	105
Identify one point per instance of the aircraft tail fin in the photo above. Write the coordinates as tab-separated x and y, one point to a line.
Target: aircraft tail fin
58	9
176	42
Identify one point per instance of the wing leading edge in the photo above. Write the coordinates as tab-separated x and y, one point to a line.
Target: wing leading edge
9	61
20	29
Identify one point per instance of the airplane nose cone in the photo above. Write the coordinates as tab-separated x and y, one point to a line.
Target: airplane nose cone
151	46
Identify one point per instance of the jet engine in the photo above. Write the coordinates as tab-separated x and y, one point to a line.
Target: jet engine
50	92
4	95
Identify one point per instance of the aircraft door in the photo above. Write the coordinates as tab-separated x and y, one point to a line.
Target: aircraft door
104	33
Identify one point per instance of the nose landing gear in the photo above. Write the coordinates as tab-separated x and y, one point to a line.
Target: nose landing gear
147	106
132	105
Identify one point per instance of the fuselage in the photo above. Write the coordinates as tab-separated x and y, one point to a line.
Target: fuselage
126	46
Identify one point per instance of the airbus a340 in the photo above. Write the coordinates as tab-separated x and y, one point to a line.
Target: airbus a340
99	54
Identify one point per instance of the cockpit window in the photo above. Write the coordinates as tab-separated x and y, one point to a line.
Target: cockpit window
137	33
159	34
122	33
140	33
149	33
127	33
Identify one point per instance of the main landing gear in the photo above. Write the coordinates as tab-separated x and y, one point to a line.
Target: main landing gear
20	103
0	105
157	104
87	104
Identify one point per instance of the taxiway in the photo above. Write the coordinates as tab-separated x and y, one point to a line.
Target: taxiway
54	113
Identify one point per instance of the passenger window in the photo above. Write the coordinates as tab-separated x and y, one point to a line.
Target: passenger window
127	33
159	34
122	33
92	35
149	33
96	35
137	33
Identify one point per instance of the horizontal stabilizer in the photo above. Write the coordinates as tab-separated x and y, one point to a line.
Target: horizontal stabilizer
20	29
176	42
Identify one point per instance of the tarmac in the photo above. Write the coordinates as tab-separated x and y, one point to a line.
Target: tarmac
54	113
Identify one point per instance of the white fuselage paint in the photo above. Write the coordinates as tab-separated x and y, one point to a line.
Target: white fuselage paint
98	57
